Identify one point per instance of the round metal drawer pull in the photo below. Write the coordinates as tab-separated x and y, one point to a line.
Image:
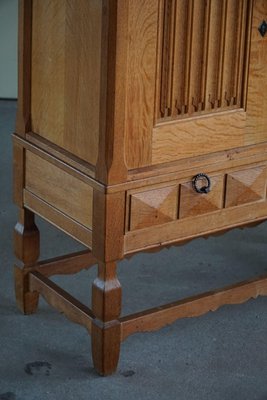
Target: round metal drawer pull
199	178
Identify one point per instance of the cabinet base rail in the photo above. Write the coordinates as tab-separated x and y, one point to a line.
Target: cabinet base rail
145	321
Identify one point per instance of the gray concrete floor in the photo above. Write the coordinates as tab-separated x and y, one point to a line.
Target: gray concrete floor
218	356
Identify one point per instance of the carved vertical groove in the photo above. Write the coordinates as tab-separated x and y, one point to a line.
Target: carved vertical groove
197	57
214	55
167	56
222	54
188	51
203	46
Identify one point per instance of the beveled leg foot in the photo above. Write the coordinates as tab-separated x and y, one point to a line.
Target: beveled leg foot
106	329
27	301
105	347
26	243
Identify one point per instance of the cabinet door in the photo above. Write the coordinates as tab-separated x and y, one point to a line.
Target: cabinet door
196	74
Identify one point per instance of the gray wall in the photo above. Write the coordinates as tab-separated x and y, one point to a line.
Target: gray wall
8	48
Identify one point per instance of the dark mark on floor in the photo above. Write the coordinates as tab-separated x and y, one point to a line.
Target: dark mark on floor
38	368
7	396
128	373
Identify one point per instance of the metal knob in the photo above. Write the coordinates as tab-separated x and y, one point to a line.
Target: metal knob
201	183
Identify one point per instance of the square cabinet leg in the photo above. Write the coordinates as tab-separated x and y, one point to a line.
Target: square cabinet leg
27	247
106	330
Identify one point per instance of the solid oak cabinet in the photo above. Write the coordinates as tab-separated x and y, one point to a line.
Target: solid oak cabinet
140	124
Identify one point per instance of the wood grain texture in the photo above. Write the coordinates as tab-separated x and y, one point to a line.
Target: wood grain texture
193	203
23	117
59	189
27	301
156	318
202	135
61	300
153	207
66	74
111	168
26	237
58	219
233	61
64	265
106	306
129	100
214	162
59	154
214	54
256	100
141	75
192	227
47	86
18	173
65	164
245	186
27	248
108	226
201	52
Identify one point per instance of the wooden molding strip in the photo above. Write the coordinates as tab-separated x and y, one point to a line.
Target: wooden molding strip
155	318
23	118
192	227
61	300
60	163
61	154
58	219
64	265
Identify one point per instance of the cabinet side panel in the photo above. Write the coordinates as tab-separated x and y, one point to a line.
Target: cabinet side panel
48	69
62	191
141	80
66	49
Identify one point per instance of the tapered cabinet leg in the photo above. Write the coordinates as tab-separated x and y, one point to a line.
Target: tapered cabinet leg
27	247
106	330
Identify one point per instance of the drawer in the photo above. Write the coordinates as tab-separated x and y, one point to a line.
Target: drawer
193	203
245	186
153	207
237	197
179	200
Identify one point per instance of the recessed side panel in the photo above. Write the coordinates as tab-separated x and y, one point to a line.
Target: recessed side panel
60	190
65	98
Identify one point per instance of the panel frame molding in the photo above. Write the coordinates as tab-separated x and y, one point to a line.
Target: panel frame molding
167	57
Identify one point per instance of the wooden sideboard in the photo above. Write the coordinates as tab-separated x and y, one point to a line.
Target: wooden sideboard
140	124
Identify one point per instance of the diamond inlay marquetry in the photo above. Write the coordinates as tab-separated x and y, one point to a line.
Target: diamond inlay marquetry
193	203
153	207
245	186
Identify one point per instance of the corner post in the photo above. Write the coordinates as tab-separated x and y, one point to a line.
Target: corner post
106	306
26	243
108	239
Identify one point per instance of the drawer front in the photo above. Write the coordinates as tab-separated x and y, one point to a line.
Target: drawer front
179	200
153	207
245	186
59	189
193	203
